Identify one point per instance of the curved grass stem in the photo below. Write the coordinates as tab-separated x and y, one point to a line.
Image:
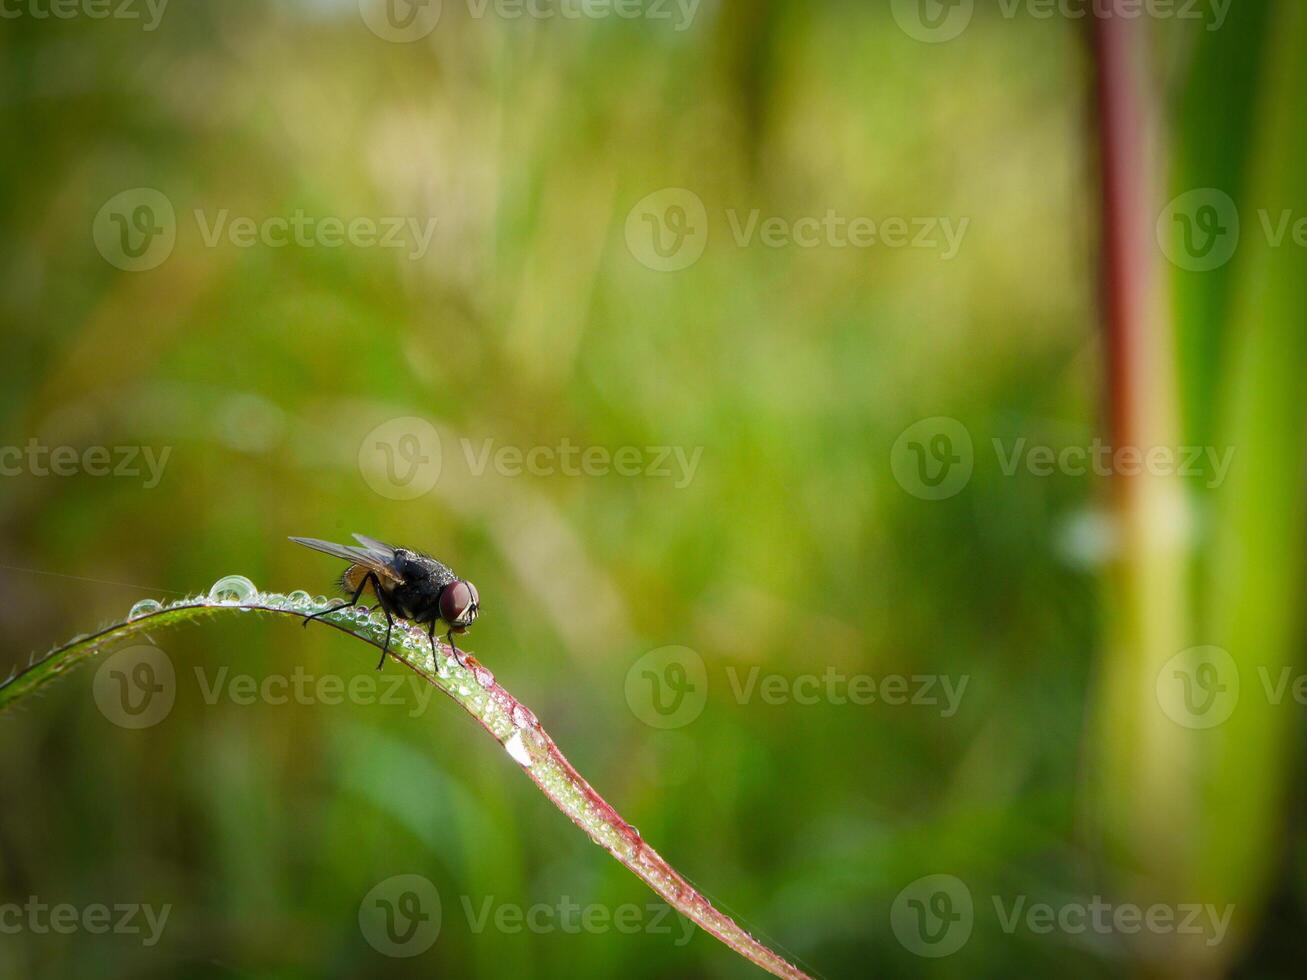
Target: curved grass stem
474	688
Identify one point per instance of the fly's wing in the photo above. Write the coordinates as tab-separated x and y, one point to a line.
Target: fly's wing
375	559
372	544
434	569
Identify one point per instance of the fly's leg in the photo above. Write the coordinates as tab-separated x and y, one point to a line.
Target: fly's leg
390	619
368	579
353	602
431	635
449	638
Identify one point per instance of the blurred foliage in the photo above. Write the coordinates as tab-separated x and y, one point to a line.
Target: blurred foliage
529	321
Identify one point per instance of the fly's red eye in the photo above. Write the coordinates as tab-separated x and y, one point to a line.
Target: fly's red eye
457	603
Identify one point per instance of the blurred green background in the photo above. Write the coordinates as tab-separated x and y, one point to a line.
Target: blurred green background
556	303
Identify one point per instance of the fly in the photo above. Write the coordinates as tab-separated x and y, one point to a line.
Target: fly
407	584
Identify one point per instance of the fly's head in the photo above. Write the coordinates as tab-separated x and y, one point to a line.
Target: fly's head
459	605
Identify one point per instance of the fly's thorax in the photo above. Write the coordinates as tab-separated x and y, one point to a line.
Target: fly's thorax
417	599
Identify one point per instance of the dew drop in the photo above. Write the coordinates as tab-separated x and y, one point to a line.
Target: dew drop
143	608
522	717
233	589
483	677
298	598
517	749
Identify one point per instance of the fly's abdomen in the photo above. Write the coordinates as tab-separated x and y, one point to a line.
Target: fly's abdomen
353	578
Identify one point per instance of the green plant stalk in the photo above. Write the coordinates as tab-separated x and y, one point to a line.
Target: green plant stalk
1254	570
473	687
